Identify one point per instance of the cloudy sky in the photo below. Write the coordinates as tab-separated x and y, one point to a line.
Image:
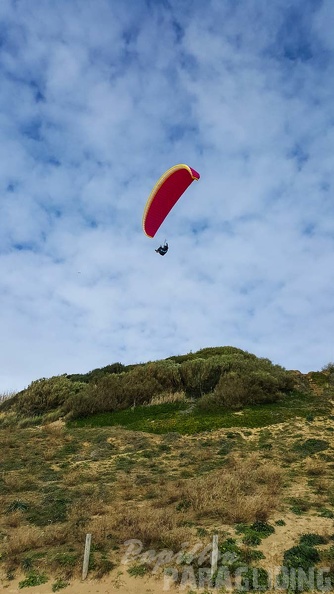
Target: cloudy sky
97	99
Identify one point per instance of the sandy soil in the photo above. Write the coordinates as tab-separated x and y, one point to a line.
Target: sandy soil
287	536
115	583
120	582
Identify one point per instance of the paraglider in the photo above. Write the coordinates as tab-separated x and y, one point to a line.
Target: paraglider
164	196
163	249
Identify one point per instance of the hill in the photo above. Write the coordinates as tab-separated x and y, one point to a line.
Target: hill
169	453
223	377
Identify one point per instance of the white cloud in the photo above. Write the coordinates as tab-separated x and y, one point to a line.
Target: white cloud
96	102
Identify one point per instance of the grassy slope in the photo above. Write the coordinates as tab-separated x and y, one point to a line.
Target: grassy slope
180	418
164	486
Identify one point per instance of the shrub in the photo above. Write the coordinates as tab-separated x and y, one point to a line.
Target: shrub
166	373
312	539
97	374
7	400
311	446
329	368
209	402
235	390
200	376
33	579
255	579
329	372
138	387
44	395
302	556
255	533
263	529
230	376
59	584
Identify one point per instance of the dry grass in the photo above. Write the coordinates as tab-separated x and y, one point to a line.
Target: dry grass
81	510
168	397
13	519
23	538
85	479
58	534
17	481
314	467
244	490
158	489
155	528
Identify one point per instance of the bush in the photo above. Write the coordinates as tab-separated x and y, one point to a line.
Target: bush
139	387
328	370
200	376
312	539
44	395
311	446
115	392
208	403
166	373
101	397
255	579
255	533
302	555
33	579
229	376
235	390
97	374
7	400
59	584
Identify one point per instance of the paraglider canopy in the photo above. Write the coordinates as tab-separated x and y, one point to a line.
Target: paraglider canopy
165	194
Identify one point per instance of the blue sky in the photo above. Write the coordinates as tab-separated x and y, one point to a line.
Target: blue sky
97	100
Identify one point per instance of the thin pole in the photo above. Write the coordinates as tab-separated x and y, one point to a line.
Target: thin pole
214	555
86	556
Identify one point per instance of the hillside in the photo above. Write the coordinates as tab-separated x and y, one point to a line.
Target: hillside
214	442
222	377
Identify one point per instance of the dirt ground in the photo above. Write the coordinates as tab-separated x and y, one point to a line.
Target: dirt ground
115	583
120	582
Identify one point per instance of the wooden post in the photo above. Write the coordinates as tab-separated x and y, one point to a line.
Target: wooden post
214	555
86	556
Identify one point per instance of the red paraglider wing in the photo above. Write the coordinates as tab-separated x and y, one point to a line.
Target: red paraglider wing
164	196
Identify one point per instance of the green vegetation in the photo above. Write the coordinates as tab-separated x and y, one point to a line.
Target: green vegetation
254	533
301	560
187	394
302	555
299	506
255	579
311	446
59	584
221	378
138	570
326	513
312	539
167	453
176	417
33	579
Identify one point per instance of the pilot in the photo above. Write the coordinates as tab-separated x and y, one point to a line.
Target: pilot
163	249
